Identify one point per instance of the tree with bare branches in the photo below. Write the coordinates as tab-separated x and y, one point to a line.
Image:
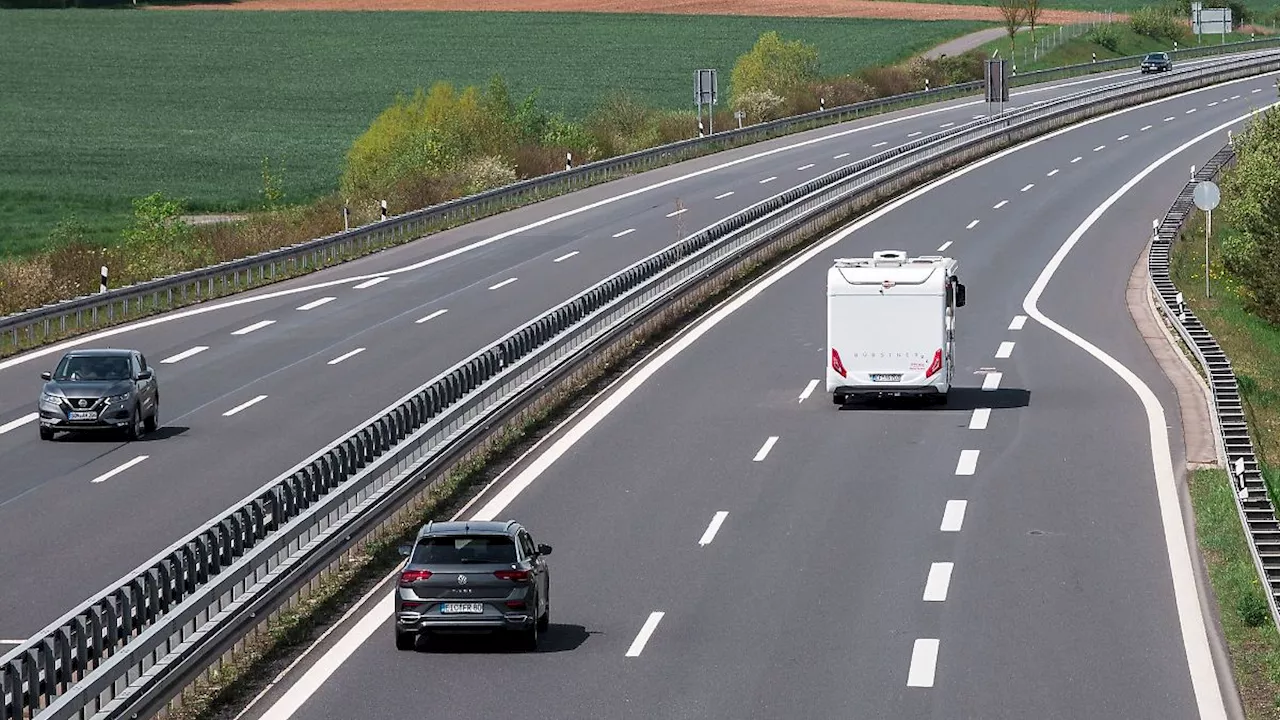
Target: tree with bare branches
1032	14
1014	13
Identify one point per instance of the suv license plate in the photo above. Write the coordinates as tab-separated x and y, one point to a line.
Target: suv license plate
84	415
455	608
886	377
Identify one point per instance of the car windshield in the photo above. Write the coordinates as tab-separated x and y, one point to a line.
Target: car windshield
1156	56
93	368
464	549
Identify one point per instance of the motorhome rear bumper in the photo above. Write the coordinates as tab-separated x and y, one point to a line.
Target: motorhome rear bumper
886	391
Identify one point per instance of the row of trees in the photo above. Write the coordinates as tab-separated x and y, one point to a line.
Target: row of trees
1251	206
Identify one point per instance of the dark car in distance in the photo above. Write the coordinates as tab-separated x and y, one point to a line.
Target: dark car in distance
95	390
1156	62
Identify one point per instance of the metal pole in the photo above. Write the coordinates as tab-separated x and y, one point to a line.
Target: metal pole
1208	222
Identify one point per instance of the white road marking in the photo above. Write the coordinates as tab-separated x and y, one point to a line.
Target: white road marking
1191	111
978	117
1215	102
344	356
637	645
882	143
251	328
1258	90
710	534
953	516
1000	204
943	125
243	406
1144	128
924	661
677	212
432	316
628	231
1122	137
1018	322
991	381
1027	187
112	473
722	196
841	155
1005	350
371	282
15	424
808	390
1235	97
764	449
1168	119
805	167
968	462
918	132
768	179
184	355
1076	159
11	642
506	282
1052	172
980	418
1100	147
317	303
935	586
1204	678
566	256
971	225
944	246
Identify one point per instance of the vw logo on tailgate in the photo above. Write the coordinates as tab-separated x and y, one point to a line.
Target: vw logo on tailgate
462	579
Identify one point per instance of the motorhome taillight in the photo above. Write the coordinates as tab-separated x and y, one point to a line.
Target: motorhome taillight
936	365
836	364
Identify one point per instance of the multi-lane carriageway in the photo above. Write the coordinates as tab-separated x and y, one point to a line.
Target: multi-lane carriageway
969	520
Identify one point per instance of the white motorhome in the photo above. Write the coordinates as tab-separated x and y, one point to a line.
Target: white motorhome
891	325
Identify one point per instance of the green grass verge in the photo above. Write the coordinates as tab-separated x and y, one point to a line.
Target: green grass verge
101	106
1080	49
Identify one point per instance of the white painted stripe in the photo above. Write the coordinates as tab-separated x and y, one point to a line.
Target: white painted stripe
344	356
1019	321
1100	147
370	283
971	225
1235	97
1215	102
710	533
968	462
764	449
882	143
508	281
953	516
184	355
808	390
1052	172
991	381
14	424
1005	350
943	125
980	418
251	328
935	586
11	642
805	167
768	179
1122	137
918	132
841	155
112	473
316	303
243	406
944	246
432	316
978	117
1076	159
1027	187
722	196
566	256
1000	204
628	231
637	645
1168	119
924	661
677	212
1191	111
1257	91
1144	128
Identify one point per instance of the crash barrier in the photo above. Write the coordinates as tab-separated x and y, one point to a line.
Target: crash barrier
1253	504
55	321
136	645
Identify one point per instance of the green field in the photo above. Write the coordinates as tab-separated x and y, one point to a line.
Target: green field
103	105
1258	7
1080	50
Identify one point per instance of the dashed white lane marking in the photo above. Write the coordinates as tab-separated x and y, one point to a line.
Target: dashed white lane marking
918	132
808	390
710	534
841	155
971	225
251	328
677	212
1052	172
991	381
1191	111
805	167
769	179
112	473
764	449
722	196
184	355
504	283
432	316
1000	204
924	661
1100	147
1122	137
15	424
968	462
882	143
566	256
1169	119
944	246
1235	97
1027	187
944	125
1257	91
344	356
1076	159
651	624
244	406
1144	128
1215	102
371	283
1018	322
317	303
935	586
953	516
980	418
628	231
1005	350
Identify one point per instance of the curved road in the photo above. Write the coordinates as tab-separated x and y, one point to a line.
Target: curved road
728	545
253	384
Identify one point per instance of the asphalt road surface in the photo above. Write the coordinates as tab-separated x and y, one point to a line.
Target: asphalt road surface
727	544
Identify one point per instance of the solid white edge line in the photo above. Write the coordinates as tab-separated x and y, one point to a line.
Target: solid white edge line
764	449
924	662
936	584
11	642
371	282
250	328
181	356
710	534
980	418
804	395
112	473
347	355
968	462
944	246
1005	350
953	516
992	381
1018	322
244	406
15	424
316	303
642	638
1204	678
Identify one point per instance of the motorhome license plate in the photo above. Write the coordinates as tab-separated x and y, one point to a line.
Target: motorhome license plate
84	415
455	608
886	377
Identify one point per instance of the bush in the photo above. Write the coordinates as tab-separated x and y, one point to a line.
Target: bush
760	105
1252	608
1106	35
1158	23
1251	195
774	65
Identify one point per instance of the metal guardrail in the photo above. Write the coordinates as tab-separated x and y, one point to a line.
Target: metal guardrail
39	326
1256	512
132	647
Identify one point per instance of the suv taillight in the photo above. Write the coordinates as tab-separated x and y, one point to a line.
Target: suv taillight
513	575
409	577
936	365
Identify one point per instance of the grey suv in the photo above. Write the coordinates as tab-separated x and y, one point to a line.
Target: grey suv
464	577
100	390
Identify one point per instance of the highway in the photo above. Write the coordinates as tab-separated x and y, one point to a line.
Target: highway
251	385
728	544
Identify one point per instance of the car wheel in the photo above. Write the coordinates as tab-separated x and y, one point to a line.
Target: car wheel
46	433
153	421
135	429
544	622
529	638
406	640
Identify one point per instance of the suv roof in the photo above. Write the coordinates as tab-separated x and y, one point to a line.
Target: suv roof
99	352
487	527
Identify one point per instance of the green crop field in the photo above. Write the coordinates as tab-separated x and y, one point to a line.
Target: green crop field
1258	7
99	106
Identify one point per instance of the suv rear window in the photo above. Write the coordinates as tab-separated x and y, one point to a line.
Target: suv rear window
464	549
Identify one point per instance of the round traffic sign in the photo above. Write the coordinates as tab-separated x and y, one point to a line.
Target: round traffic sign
1206	195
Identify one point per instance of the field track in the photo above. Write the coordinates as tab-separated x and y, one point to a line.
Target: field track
891	10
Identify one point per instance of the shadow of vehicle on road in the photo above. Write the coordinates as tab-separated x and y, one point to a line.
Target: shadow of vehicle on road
161	433
557	638
961	399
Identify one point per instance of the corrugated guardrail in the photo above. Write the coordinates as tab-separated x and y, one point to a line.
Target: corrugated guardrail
32	328
1257	514
134	646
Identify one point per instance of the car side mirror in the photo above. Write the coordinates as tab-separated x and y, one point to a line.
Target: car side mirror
544	549
959	295
406	550
145	375
46	375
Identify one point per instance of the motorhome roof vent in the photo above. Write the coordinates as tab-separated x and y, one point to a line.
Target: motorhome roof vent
888	257
927	259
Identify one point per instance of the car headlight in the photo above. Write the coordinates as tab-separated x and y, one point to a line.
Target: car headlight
46	397
113	399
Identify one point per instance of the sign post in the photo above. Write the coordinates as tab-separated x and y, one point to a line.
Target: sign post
996	79
704	91
1206	196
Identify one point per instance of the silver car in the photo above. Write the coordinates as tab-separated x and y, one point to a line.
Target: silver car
473	577
106	389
